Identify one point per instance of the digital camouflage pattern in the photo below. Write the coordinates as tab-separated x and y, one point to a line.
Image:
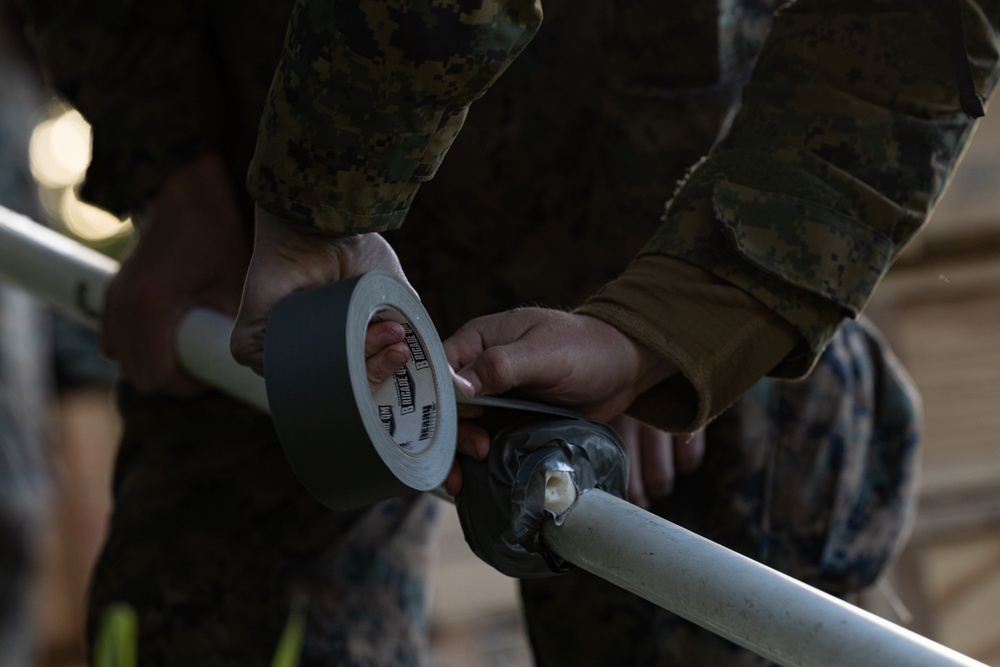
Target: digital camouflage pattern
398	77
813	478
213	541
556	181
847	135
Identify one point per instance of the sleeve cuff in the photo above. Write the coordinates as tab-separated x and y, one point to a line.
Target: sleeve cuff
721	339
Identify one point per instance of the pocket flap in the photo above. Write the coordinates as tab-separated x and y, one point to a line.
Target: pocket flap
810	246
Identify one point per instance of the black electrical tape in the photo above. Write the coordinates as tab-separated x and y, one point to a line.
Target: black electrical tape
502	503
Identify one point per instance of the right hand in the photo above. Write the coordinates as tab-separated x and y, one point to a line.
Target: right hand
564	358
289	256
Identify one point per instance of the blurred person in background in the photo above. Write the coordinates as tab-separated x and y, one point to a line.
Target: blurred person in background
25	368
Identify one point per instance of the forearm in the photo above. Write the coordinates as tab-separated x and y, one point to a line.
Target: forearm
847	136
367	100
718	338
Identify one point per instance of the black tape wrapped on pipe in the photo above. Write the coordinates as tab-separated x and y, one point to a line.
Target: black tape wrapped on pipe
502	503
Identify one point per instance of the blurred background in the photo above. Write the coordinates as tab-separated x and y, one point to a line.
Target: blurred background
940	308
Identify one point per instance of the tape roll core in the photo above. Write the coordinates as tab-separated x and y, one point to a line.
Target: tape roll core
346	446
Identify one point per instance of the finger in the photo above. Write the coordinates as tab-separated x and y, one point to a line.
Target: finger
627	429
383	364
380	335
246	343
689	451
453	482
656	452
152	348
463	385
487	351
493	372
463	346
473	440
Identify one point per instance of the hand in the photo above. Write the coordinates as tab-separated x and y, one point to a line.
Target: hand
385	353
192	250
560	357
288	256
656	458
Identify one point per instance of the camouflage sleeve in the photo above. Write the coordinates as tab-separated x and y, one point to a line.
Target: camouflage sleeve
141	75
367	98
848	132
847	135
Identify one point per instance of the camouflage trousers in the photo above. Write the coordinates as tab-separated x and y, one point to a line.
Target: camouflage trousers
213	541
813	478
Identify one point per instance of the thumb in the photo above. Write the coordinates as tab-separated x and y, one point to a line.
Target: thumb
247	340
246	343
495	371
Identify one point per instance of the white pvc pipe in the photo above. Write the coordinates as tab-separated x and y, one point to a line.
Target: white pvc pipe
761	609
740	599
72	278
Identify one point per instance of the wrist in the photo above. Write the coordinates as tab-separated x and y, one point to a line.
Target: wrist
269	225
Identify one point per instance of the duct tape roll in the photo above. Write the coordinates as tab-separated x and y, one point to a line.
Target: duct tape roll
347	446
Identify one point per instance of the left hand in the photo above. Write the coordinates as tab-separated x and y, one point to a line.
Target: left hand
289	256
385	353
656	458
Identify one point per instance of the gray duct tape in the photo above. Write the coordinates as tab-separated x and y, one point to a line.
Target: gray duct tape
347	446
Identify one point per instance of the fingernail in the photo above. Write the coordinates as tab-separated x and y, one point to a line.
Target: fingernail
472	380
387	337
463	385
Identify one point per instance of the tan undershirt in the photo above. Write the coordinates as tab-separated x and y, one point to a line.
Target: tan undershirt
722	339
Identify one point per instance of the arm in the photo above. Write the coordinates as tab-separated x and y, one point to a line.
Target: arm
847	135
365	102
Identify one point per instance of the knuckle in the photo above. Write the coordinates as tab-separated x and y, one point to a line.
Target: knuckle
497	367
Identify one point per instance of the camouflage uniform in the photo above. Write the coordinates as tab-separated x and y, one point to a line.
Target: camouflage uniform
848	130
541	199
554	183
24	379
